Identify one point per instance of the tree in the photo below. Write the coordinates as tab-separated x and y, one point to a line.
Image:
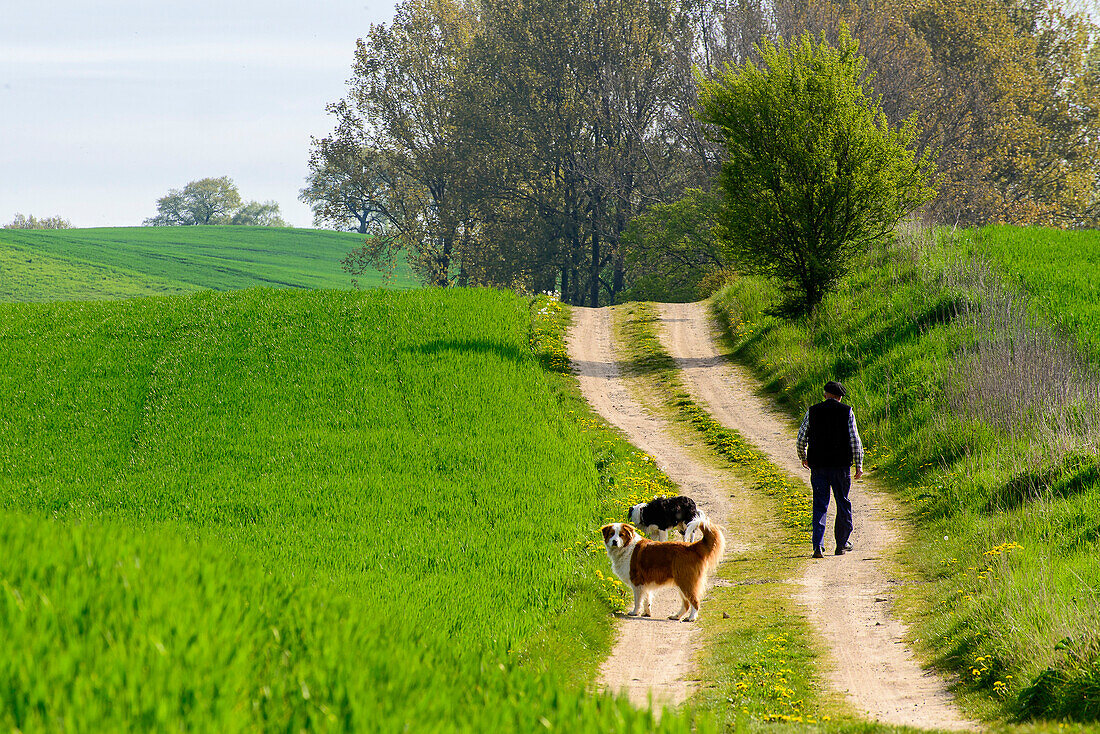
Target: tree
511	144
815	174
578	110
980	109
672	247
206	201
1029	77
1007	92
405	95
255	214
212	201
32	222
343	186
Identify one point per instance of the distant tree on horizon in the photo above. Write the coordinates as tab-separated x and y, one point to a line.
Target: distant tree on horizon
344	184
255	214
212	201
32	222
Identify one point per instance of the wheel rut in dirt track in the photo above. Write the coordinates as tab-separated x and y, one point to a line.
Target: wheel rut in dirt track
652	657
846	598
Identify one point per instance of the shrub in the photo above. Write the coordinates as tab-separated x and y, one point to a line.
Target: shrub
815	174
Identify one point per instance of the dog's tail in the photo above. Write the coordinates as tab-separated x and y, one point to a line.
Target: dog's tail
713	542
694	524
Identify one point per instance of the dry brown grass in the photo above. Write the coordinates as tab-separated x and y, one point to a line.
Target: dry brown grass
1012	370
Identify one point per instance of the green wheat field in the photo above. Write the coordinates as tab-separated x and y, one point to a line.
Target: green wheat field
1057	268
122	262
277	509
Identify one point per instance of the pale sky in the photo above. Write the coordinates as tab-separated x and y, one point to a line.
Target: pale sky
105	106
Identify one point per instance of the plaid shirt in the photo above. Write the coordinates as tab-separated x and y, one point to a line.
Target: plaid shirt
803	442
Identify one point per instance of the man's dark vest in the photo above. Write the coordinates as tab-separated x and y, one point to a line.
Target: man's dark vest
830	445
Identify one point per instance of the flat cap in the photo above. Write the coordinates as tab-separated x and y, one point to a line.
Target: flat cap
835	388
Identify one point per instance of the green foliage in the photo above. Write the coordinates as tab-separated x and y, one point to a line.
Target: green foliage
815	175
510	144
82	264
1008	524
283	510
1006	92
213	201
397	149
671	248
205	201
32	222
255	214
342	185
1072	689
1011	99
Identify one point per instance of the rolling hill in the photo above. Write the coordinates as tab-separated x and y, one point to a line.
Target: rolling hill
274	509
90	264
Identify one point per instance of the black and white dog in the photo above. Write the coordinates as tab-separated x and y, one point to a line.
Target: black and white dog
661	514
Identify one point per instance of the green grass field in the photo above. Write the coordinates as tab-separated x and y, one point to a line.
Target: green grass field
1058	270
276	510
1007	525
89	264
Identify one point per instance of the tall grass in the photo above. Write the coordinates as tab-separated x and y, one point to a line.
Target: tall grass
283	510
955	391
122	262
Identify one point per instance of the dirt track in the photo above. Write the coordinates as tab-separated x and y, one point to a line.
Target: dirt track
846	598
652	657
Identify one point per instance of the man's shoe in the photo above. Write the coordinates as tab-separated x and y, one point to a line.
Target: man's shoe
847	547
819	552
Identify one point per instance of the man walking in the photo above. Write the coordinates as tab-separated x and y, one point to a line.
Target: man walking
828	445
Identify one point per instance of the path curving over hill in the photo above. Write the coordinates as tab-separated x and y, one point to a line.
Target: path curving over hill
652	656
847	598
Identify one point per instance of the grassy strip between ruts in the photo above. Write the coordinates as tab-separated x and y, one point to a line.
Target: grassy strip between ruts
759	666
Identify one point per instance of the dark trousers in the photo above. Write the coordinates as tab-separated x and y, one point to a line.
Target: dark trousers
835	481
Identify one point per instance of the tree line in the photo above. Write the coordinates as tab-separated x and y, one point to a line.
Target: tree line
560	144
22	221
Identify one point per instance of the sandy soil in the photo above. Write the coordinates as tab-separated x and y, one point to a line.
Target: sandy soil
847	598
653	657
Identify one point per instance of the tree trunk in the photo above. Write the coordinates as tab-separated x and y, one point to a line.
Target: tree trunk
594	276
575	295
618	281
443	263
623	214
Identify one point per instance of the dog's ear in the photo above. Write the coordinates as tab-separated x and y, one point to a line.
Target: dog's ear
607	531
627	534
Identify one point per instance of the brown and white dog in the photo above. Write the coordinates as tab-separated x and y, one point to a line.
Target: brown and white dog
647	565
